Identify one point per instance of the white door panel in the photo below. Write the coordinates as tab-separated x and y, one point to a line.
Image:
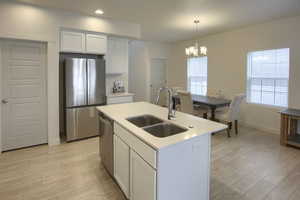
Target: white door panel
142	179
121	164
24	89
158	79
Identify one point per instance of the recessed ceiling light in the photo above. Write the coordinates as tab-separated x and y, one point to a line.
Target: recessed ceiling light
99	12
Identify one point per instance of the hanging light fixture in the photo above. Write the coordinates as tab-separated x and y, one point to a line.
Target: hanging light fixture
195	51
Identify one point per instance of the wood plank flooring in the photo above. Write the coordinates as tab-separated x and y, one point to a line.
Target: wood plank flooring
251	166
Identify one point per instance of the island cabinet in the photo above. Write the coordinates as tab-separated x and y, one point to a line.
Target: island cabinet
133	171
179	171
122	164
142	178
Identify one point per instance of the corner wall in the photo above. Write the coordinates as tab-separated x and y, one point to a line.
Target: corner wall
227	63
25	22
140	55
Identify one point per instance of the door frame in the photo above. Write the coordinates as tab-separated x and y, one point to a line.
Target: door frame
2	41
1	46
165	60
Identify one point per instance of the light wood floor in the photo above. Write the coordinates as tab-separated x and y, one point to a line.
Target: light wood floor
251	166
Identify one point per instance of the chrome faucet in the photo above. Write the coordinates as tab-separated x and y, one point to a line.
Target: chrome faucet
170	106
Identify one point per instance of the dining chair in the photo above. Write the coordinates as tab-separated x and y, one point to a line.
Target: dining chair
187	106
212	92
232	115
217	94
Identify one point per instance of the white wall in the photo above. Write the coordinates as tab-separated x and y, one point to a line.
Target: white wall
227	62
140	55
20	21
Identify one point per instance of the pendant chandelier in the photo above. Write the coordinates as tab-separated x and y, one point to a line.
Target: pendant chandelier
196	50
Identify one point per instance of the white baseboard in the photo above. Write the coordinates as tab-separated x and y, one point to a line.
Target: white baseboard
261	128
54	142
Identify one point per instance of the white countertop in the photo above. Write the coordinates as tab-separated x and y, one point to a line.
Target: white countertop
121	94
120	112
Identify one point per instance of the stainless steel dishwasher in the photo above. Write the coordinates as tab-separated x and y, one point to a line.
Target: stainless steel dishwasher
106	145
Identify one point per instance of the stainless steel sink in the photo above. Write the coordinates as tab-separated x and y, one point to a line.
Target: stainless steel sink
144	120
164	129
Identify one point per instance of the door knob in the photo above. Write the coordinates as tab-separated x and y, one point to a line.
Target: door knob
4	101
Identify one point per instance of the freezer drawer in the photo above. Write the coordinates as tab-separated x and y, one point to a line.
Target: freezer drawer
81	123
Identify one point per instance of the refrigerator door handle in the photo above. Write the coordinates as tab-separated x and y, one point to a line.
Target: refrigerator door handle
77	122
88	84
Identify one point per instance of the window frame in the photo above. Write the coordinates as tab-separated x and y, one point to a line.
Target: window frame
249	61
187	75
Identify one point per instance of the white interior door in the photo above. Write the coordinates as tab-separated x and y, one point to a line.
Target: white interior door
23	97
158	79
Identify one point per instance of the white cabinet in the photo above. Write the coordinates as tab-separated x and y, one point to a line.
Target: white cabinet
142	179
72	42
117	56
118	99
122	164
77	42
96	44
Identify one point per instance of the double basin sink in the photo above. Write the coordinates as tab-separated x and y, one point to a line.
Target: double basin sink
156	126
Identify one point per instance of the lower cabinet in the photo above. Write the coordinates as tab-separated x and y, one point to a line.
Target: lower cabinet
122	164
135	176
142	179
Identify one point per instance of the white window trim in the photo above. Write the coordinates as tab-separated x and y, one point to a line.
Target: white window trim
187	75
272	106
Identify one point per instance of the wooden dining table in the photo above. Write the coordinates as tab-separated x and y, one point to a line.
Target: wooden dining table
206	101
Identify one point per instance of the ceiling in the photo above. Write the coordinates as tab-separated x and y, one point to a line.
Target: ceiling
172	20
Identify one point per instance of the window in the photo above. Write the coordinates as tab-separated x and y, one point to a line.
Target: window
197	75
268	77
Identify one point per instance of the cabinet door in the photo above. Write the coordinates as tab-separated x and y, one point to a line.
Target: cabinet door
142	179
72	42
121	164
96	44
117	56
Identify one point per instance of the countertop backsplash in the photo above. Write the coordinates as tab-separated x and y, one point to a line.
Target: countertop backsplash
110	82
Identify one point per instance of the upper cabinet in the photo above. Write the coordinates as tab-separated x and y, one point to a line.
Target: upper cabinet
96	44
72	42
76	42
117	56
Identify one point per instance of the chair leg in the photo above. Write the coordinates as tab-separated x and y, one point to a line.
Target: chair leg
228	132
229	129
236	126
205	115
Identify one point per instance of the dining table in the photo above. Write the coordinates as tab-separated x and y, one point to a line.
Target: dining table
212	103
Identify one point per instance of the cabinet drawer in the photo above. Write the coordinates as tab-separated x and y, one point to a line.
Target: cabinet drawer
145	151
118	100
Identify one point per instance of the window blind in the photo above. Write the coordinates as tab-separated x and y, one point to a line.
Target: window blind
197	75
268	77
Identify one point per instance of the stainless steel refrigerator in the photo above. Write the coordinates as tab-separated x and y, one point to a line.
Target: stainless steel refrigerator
84	81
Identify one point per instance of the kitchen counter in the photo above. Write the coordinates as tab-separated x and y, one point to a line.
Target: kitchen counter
121	94
121	112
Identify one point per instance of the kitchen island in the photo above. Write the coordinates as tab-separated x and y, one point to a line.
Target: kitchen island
152	166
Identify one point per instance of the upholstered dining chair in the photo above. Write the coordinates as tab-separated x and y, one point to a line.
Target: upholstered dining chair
187	106
232	115
212	92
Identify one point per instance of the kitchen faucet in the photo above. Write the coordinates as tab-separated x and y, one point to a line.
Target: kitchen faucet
170	106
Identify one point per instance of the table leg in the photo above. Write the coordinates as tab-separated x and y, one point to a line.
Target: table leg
213	110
